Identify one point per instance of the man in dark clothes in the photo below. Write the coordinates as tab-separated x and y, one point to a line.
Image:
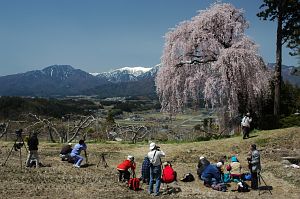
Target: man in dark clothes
65	152
33	143
202	164
146	170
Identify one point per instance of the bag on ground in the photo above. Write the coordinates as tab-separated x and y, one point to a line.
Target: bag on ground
246	176
134	184
243	187
187	178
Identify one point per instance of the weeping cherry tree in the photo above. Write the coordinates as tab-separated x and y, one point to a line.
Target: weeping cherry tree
211	56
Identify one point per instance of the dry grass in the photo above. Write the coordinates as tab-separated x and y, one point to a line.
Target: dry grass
61	180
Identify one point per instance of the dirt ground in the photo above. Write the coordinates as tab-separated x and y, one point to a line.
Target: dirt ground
60	180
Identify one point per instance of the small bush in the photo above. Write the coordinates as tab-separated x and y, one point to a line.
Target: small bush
290	121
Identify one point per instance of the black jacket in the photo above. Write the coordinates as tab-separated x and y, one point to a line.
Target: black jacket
33	143
202	164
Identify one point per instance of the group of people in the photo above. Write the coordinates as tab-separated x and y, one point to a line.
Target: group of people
214	174
72	155
67	152
151	170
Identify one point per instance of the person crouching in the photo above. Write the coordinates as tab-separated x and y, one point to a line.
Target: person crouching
65	153
124	174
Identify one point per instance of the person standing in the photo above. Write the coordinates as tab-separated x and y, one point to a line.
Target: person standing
246	125
76	153
154	156
254	166
145	170
33	143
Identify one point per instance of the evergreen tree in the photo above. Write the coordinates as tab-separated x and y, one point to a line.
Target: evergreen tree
287	14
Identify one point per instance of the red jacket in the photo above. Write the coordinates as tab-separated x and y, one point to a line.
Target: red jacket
126	165
168	174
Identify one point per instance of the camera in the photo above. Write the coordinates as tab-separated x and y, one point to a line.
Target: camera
18	145
19	132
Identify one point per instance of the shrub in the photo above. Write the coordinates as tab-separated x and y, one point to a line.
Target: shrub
290	121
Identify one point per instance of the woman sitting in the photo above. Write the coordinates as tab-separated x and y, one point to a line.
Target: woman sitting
235	169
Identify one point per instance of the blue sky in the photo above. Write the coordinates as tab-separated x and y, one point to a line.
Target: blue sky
101	35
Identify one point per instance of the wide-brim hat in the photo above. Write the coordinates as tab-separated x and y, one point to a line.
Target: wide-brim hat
152	146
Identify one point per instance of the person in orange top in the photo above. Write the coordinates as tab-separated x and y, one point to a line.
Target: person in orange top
168	173
124	174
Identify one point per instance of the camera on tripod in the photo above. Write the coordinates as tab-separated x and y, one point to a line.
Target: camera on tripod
19	132
18	146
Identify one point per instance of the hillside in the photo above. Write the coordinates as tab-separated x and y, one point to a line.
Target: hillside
60	179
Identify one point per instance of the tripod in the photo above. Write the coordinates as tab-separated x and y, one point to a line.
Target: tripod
18	144
260	178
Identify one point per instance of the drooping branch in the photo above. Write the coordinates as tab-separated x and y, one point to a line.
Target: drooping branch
4	128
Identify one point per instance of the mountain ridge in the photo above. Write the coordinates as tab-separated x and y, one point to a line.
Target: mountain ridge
65	80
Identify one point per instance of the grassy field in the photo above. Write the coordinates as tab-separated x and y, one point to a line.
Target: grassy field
61	180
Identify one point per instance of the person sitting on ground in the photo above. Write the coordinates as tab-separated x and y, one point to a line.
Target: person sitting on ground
168	173
235	169
124	174
75	153
202	164
65	152
146	170
211	175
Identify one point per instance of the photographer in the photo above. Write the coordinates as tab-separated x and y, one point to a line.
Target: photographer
154	156
75	153
254	166
246	125
33	143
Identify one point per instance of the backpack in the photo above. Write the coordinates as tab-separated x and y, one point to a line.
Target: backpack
134	184
188	178
243	187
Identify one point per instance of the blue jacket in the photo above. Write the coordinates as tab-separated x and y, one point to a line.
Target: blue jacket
78	148
211	171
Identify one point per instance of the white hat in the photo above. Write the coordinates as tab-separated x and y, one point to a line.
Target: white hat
152	145
219	164
201	157
70	144
130	157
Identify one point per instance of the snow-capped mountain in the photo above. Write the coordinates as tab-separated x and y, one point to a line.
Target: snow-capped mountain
125	74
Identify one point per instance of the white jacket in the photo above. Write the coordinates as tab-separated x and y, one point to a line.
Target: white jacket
155	159
246	121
